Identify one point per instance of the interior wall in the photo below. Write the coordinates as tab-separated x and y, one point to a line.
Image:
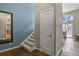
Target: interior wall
75	14
58	13
23	21
59	41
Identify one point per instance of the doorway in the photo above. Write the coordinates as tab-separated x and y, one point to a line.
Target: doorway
67	26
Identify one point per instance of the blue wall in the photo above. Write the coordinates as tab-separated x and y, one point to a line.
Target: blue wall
23	21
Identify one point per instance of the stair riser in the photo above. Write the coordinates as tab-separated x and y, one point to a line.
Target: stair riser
28	44
32	37
34	34
27	49
31	40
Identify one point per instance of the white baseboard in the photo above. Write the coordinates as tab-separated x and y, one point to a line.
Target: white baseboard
59	52
39	49
10	48
34	48
56	54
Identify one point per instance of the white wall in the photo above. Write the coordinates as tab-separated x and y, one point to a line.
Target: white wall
68	6
59	41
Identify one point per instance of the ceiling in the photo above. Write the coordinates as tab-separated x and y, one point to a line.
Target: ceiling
69	6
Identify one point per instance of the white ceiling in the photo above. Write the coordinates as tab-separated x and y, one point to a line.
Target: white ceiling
70	6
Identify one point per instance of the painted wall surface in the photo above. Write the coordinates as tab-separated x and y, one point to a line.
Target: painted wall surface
59	40
23	21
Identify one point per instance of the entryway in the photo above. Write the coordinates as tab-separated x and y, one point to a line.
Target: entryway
67	26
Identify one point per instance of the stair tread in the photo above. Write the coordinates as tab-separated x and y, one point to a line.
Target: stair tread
30	42
27	46
31	39
33	33
32	36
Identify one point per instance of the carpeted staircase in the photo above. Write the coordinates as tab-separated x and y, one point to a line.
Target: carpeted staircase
29	42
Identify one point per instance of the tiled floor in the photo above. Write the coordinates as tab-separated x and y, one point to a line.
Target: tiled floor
71	48
22	52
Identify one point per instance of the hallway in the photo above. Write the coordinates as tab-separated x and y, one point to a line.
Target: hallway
71	48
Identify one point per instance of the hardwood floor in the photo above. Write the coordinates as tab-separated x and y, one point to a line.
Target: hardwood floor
22	52
71	48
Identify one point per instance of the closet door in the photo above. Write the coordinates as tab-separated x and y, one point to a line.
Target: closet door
47	31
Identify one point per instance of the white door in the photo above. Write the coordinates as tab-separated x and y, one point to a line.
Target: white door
47	31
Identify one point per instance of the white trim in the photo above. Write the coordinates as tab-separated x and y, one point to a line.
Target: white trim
59	52
46	10
33	48
40	50
10	48
56	54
